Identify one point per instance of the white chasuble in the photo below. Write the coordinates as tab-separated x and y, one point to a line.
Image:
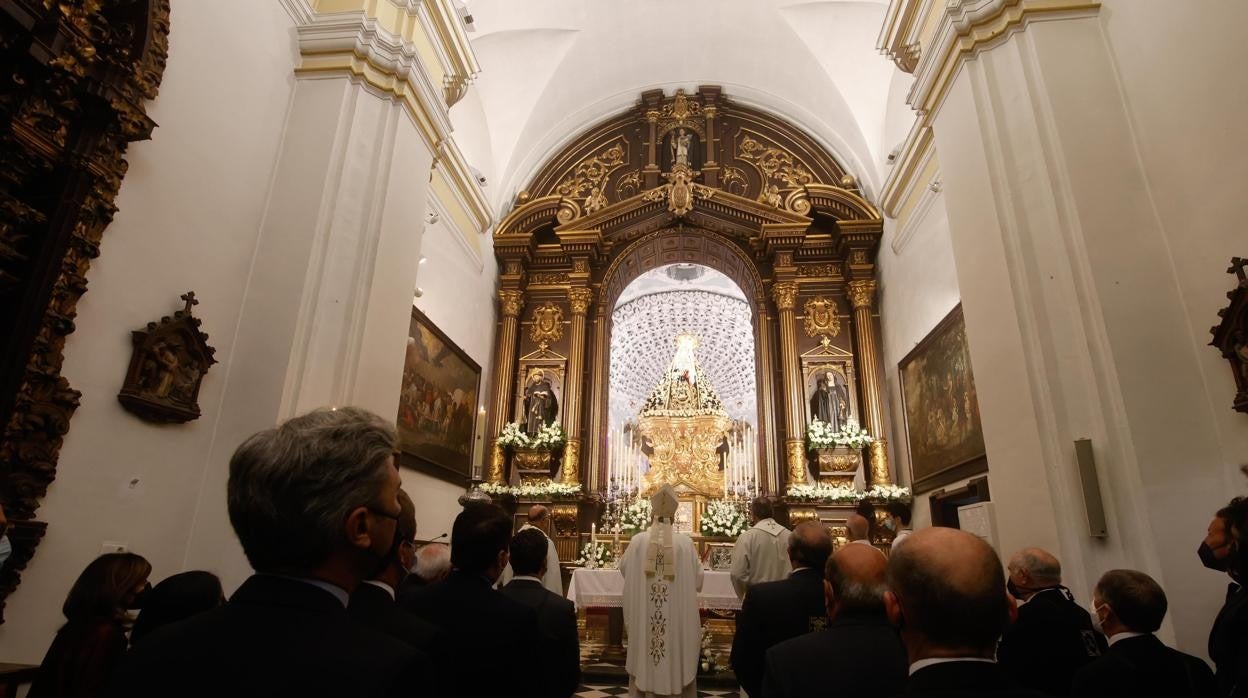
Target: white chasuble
760	555
661	616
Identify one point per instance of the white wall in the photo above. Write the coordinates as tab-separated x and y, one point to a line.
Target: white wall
459	297
189	211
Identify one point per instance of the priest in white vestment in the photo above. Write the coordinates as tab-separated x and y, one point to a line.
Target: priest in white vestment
761	554
662	578
553	579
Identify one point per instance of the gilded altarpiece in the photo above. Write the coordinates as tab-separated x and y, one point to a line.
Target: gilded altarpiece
694	178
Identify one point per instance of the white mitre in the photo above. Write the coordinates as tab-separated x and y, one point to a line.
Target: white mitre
660	557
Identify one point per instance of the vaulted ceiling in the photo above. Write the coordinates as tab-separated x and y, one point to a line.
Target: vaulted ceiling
551	68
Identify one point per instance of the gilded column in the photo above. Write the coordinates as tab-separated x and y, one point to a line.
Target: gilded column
710	135
862	296
598	393
579	299
785	295
652	162
509	303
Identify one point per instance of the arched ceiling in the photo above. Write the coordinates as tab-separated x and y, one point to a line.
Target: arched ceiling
551	68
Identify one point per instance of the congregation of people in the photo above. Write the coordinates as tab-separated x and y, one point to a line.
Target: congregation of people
344	603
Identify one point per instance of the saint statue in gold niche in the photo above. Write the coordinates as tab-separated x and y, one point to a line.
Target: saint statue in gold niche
540	404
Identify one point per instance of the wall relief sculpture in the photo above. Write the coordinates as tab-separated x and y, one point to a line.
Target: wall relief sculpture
1231	335
167	366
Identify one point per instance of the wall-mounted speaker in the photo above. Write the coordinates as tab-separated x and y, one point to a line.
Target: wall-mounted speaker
1092	503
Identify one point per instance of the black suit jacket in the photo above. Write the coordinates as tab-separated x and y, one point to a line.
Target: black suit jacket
556	617
771	613
275	638
1143	666
966	680
1228	644
1051	640
373	607
857	655
488	637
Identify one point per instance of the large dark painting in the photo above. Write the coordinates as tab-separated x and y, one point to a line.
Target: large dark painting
438	403
943	427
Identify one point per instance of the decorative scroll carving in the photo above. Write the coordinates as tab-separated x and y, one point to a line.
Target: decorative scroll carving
548	278
77	76
167	366
628	186
587	181
1230	336
818	271
547	324
579	299
861	292
510	302
796	459
785	295
780	171
733	181
822	317
859	257
571	462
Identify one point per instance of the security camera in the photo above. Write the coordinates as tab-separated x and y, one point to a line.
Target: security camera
432	217
477	175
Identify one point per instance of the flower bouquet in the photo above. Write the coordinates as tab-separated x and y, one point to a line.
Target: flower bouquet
851	435
595	556
635	517
541	490
549	437
722	519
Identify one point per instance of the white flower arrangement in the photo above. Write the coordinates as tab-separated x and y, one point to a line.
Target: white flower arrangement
542	490
706	658
851	435
595	555
549	437
723	519
635	517
840	494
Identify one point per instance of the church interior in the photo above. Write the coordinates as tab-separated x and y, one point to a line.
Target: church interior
983	259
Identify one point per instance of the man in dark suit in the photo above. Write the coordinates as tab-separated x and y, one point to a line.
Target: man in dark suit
1130	606
773	612
946	594
556	616
487	636
373	602
859	653
314	503
1228	638
1053	636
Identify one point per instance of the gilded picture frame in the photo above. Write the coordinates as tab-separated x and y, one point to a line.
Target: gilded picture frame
437	419
944	432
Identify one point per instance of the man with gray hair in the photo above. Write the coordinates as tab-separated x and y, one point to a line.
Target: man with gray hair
1052	636
859	652
314	502
433	562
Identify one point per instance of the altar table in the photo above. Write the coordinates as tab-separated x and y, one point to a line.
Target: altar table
604	588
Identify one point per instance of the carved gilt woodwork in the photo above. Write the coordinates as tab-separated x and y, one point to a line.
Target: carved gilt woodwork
1230	336
822	317
547	327
76	80
167	366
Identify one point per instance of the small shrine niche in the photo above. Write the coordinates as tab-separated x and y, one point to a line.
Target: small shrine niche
167	366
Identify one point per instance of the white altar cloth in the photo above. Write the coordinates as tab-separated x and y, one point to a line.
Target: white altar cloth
605	589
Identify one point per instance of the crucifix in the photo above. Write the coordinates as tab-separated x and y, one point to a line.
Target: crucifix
189	297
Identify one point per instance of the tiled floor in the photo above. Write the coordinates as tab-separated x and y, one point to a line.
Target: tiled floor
596	691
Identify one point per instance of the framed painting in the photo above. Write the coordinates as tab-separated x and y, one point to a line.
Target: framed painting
437	404
943	428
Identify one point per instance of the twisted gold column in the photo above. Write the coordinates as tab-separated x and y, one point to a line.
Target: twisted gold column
785	295
579	299
862	296
509	303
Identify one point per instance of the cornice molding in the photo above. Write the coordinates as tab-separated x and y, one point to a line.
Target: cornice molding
465	186
899	35
441	22
907	229
916	153
300	11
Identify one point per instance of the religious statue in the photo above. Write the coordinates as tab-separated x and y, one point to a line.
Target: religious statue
680	147
540	403
830	402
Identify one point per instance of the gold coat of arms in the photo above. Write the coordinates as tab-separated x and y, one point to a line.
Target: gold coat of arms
822	317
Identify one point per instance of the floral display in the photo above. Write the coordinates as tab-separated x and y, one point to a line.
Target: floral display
549	437
541	490
595	555
706	663
635	517
723	519
840	494
851	435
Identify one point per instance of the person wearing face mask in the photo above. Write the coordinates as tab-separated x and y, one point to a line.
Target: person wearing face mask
898	522
1052	636
1128	607
314	503
373	602
88	648
1228	638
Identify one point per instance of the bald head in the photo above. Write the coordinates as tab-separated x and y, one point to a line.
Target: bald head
538	514
948	587
855	579
1035	568
810	545
857	526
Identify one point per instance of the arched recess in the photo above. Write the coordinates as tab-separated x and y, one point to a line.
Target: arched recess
80	75
756	199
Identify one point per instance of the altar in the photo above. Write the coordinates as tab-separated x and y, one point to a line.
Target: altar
604	588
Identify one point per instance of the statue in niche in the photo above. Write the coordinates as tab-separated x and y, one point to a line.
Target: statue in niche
167	367
540	404
680	147
830	401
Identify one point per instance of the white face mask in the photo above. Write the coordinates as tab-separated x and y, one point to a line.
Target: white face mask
1096	618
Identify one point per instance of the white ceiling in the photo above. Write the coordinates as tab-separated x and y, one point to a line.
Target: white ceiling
551	68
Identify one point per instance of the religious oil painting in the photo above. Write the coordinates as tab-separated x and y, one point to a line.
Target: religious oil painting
943	427
437	403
